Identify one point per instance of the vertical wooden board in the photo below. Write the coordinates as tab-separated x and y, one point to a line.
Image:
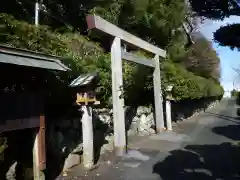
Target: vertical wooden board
118	100
158	96
42	143
18	124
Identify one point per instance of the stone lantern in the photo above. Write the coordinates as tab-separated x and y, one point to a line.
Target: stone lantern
85	86
168	107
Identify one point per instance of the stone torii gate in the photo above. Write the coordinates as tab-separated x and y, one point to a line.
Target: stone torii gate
96	22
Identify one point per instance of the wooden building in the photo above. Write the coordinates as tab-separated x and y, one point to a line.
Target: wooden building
23	87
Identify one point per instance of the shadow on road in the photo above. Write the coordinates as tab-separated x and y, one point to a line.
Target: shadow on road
208	162
221	115
234	119
230	131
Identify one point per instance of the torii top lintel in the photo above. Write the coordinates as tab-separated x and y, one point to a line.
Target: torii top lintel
96	22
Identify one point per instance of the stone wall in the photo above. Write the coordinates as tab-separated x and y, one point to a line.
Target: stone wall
142	122
65	135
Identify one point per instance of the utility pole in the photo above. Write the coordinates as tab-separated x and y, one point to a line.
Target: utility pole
38	5
36	13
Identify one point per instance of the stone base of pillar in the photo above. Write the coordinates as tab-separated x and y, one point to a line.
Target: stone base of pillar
160	130
89	165
120	151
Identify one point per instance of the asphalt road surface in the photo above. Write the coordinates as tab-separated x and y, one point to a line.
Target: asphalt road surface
205	147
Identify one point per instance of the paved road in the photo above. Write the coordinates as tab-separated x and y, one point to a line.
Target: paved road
205	147
214	152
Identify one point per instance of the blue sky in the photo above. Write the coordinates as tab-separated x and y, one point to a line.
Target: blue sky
229	59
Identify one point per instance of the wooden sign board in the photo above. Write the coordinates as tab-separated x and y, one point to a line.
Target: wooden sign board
18	124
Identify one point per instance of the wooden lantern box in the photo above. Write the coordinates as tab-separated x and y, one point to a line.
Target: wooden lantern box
85	86
86	97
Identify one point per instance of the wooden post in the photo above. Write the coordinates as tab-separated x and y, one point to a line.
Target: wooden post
117	97
158	96
168	115
39	151
87	132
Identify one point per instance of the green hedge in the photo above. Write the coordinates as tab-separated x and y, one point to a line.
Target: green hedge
237	95
234	93
82	55
187	85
